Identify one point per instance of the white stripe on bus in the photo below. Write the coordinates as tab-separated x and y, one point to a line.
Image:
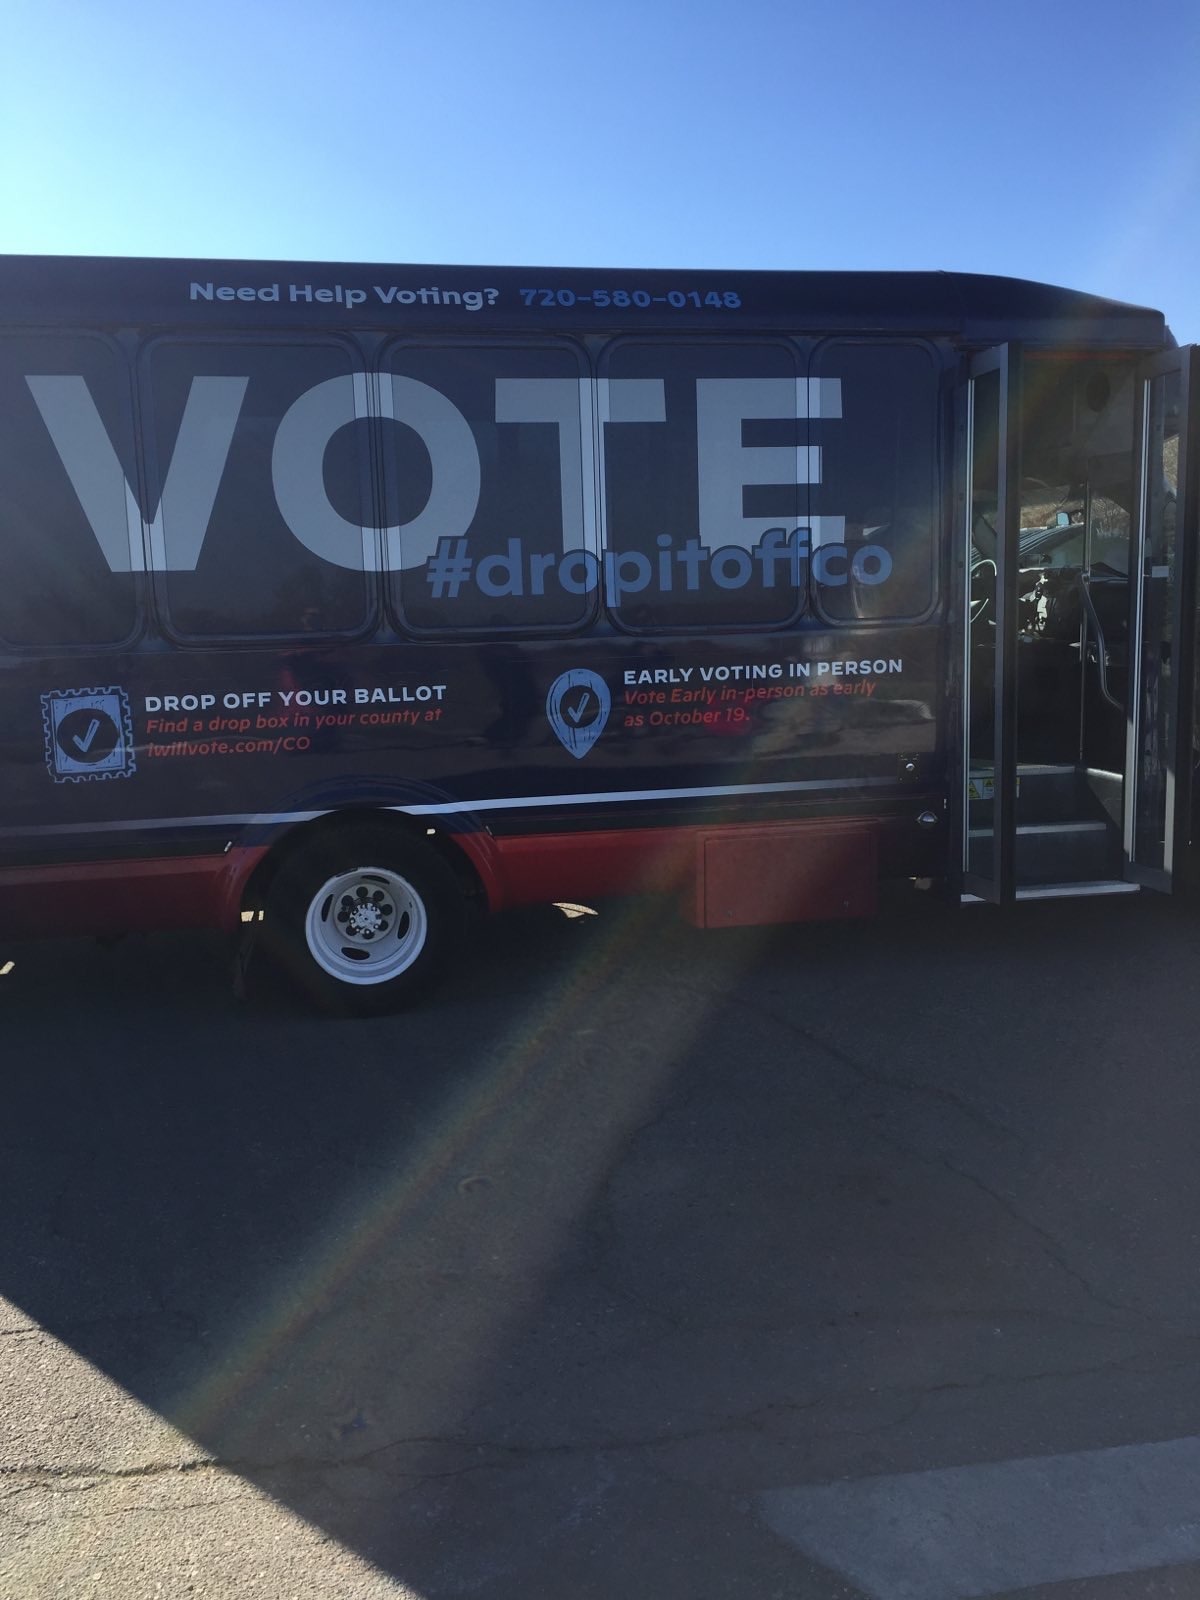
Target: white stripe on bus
442	808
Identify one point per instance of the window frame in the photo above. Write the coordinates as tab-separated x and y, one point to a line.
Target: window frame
140	579
800	349
148	439
938	519
392	599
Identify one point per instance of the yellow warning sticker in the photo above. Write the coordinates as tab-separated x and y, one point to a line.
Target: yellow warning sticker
984	788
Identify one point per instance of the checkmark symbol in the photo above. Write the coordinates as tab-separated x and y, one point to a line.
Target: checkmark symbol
577	707
83	743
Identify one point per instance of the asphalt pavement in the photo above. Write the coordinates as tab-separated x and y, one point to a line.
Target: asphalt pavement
827	1263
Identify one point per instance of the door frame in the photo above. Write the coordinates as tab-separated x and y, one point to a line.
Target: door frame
1178	754
998	884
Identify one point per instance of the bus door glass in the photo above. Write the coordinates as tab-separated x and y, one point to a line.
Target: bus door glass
989	625
1161	694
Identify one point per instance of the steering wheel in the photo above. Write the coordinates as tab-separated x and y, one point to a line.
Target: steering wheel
983	574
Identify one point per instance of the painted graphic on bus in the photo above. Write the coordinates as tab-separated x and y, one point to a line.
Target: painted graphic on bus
88	734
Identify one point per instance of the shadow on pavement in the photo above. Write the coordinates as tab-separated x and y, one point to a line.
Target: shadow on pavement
533	1290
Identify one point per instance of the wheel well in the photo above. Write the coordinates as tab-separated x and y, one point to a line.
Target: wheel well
258	885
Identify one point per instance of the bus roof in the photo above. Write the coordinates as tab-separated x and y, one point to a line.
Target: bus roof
972	309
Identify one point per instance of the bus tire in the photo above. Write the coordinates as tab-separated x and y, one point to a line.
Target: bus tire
363	919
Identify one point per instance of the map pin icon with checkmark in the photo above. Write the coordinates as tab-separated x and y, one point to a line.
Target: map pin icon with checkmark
578	705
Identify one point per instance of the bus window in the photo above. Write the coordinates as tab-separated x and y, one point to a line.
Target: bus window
879	473
66	456
283	551
489	487
706	503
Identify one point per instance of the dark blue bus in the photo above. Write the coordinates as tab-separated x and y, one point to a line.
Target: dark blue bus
337	598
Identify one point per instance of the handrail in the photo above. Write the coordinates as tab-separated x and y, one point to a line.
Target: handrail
1101	646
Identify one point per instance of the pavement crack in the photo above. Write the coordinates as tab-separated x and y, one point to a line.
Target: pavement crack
868	1074
90	1476
1050	1245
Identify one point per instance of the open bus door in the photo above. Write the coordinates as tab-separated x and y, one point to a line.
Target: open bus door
1077	740
1161	705
989	432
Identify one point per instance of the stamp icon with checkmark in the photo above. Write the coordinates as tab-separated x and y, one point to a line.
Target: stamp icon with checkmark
88	734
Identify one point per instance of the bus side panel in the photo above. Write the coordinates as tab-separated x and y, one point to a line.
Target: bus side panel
187	759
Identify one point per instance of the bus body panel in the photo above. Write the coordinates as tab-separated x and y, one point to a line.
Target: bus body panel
606	582
221	786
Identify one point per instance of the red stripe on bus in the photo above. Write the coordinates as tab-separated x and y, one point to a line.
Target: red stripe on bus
726	875
99	897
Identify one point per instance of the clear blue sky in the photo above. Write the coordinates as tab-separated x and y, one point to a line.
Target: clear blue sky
1044	138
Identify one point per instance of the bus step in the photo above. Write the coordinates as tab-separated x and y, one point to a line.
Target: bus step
1076	891
1063	891
1044	794
1055	852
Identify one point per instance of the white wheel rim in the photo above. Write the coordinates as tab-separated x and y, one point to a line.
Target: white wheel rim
366	926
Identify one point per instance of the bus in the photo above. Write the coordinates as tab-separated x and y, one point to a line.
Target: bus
338	599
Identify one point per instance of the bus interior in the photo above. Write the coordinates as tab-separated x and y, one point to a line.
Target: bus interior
1069	613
